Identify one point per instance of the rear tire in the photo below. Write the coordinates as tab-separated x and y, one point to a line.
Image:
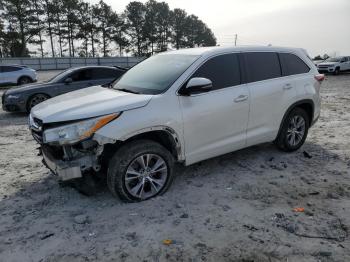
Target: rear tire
294	130
140	170
23	80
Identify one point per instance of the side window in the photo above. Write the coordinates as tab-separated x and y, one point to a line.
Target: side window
262	65
105	73
81	75
10	69
222	70
292	65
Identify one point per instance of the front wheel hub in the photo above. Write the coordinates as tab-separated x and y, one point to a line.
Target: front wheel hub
146	176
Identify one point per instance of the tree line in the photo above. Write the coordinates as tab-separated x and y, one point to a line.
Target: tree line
74	28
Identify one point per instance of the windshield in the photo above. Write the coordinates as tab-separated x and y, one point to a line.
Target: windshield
155	74
333	59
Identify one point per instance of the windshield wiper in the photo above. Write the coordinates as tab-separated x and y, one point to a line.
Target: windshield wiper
127	90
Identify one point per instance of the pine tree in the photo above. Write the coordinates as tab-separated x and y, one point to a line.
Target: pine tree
135	13
49	20
21	18
179	28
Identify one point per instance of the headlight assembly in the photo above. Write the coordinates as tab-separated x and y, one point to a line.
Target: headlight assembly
72	133
13	96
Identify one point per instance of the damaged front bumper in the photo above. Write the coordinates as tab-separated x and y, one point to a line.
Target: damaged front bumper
68	162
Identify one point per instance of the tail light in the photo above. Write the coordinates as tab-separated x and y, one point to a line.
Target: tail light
320	77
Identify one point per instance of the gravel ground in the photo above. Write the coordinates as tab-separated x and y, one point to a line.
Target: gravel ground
237	207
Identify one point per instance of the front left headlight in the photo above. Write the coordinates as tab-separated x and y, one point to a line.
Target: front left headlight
72	133
13	96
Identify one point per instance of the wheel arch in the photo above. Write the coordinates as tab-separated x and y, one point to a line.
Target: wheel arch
306	104
28	76
34	94
163	135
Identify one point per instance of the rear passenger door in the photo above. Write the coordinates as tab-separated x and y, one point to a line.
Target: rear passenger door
297	70
215	122
270	93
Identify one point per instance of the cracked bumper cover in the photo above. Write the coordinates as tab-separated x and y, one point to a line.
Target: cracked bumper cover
66	170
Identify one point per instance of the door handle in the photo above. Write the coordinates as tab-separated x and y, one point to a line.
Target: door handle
287	86
241	98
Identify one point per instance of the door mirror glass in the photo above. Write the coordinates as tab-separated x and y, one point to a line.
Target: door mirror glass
68	80
198	85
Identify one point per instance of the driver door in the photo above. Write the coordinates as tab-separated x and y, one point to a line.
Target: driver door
80	79
215	122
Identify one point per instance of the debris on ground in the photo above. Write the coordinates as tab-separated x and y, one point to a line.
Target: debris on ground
167	242
81	219
298	209
307	155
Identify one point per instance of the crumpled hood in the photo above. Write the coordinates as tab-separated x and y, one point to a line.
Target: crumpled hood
86	103
28	87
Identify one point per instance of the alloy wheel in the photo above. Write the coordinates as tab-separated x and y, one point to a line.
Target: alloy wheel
37	99
24	80
296	130
146	176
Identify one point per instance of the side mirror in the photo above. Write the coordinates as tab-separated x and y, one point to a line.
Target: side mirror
68	80
197	85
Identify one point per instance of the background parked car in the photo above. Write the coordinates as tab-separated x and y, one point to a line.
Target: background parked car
16	74
22	99
334	65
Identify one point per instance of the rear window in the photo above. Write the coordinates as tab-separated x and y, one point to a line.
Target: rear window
262	66
105	73
292	65
222	70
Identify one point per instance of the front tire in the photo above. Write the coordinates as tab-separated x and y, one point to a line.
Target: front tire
336	71
36	99
140	170
294	130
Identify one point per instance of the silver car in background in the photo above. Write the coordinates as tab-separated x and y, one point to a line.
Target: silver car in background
16	75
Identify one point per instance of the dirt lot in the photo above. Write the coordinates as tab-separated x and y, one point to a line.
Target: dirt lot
237	207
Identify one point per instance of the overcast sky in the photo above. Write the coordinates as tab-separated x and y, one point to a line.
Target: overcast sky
320	26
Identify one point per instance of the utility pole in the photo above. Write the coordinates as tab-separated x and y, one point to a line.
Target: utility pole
236	39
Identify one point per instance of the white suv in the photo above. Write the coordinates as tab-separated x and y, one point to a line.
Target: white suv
16	74
334	65
181	106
